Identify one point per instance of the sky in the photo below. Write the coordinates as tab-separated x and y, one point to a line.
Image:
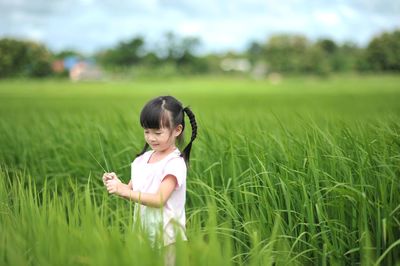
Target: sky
221	25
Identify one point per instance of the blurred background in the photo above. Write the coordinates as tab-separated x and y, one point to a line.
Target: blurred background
97	40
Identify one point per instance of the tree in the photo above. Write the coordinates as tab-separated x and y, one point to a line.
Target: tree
180	52
348	57
316	61
24	58
383	52
328	46
127	53
67	53
286	53
339	58
255	52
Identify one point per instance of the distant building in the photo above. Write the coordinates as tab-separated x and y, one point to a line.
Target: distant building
70	62
85	71
78	68
235	64
257	71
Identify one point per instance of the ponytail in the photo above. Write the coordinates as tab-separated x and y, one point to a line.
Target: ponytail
192	119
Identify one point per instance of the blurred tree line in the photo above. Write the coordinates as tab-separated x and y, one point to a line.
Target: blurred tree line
175	55
296	54
24	58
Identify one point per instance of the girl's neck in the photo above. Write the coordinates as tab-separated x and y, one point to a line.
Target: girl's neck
166	151
160	155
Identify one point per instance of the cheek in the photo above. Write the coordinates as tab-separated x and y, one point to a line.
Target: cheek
147	137
165	138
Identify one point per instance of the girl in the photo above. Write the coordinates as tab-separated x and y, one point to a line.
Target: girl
158	176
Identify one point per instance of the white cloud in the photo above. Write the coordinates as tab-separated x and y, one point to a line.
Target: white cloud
327	18
190	28
35	34
348	12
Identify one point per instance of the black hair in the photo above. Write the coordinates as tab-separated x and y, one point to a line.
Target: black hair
168	112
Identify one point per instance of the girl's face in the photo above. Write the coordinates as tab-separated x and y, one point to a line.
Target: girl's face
163	138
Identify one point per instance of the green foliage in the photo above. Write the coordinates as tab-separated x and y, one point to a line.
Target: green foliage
176	55
125	54
67	53
296	54
295	173
316	61
383	52
23	58
285	53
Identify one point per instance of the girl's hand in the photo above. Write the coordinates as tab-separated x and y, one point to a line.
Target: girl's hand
114	186
105	178
109	176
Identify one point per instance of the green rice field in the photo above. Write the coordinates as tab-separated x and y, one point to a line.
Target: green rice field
305	171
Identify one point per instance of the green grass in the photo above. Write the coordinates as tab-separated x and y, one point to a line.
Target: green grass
305	172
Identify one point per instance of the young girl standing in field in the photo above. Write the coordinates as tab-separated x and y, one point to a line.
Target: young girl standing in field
158	176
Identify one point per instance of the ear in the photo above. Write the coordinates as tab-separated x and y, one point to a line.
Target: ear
178	130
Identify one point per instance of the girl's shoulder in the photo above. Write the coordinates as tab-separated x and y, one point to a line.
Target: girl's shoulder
176	155
176	158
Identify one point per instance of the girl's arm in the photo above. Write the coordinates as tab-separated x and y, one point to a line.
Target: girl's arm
156	200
